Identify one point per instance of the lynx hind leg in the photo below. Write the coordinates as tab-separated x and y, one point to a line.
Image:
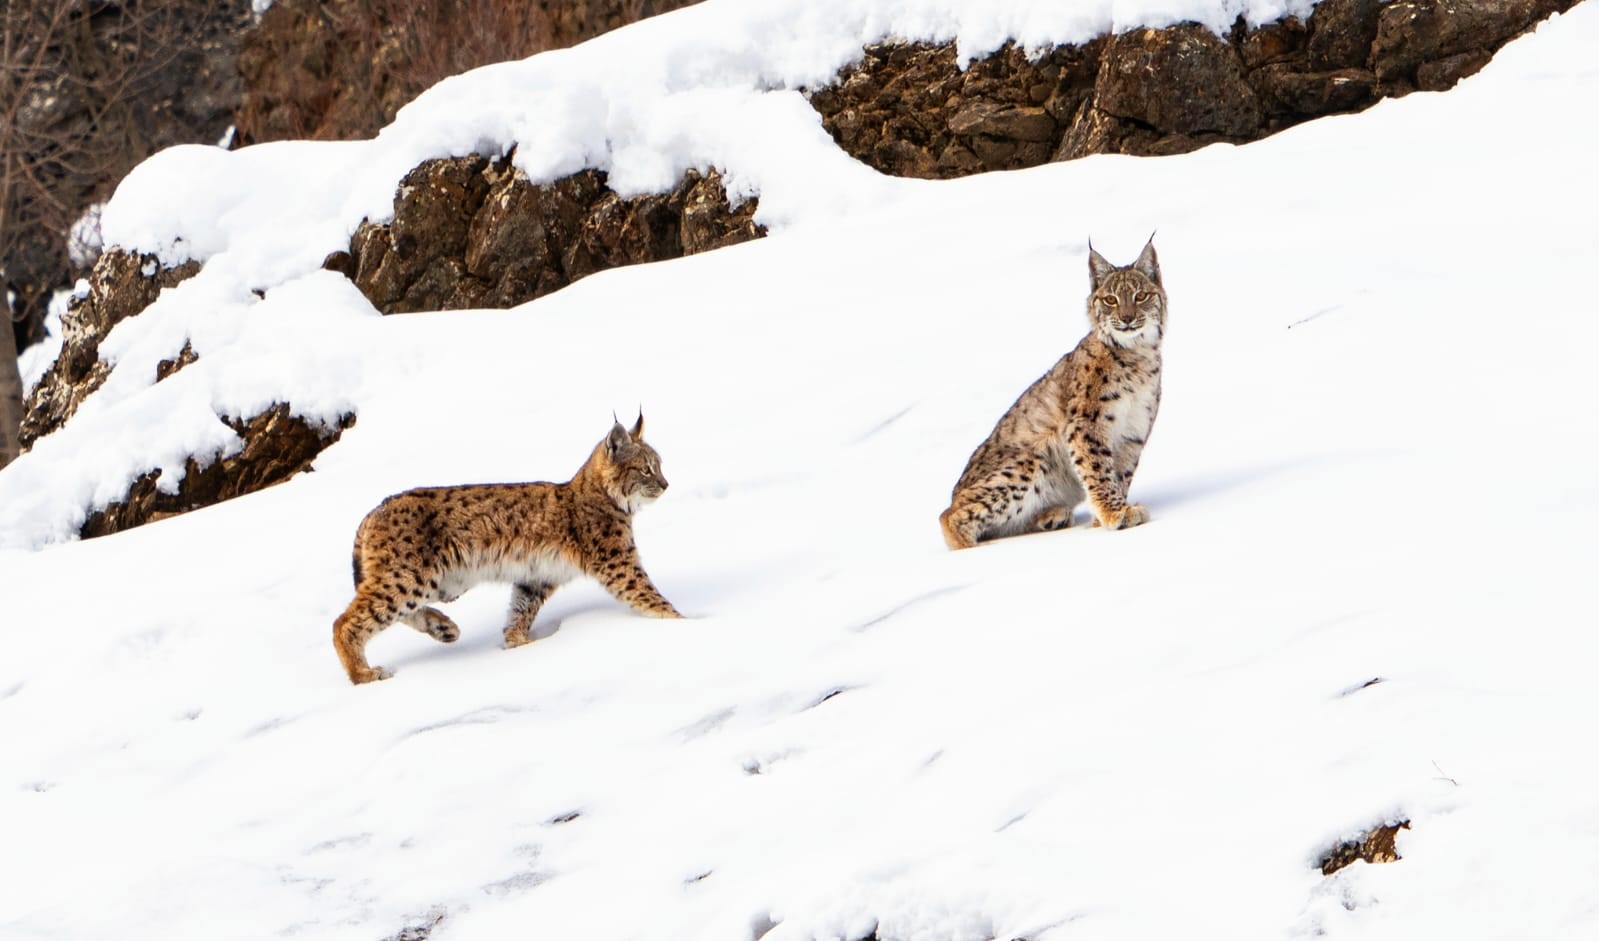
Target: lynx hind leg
963	524
360	622
1004	501
434	623
384	594
1001	505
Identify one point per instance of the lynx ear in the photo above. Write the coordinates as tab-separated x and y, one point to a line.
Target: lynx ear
1147	264
1098	267
638	426
617	440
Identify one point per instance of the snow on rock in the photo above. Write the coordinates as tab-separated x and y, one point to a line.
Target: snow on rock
1145	734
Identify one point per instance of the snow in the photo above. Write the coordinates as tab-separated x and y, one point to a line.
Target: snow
83	238
1373	460
36	359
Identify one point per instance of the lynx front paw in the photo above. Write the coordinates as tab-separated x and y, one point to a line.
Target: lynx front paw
514	639
669	614
1127	517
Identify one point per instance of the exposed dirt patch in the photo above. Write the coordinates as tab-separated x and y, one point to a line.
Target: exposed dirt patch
1375	846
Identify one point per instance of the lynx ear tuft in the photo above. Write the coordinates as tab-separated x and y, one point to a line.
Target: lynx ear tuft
1098	267
617	440
638	426
1147	264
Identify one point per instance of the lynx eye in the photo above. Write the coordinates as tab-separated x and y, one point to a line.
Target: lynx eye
1140	297
1109	299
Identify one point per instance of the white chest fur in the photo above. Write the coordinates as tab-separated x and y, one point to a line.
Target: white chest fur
1133	415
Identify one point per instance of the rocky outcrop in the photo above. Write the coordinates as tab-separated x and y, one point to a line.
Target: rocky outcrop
466	232
341	69
473	232
121	285
906	109
1376	845
276	445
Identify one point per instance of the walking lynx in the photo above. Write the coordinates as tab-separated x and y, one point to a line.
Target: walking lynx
433	543
1079	430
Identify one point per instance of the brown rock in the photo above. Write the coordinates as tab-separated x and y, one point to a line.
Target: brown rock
167	367
906	110
405	265
468	232
1184	79
1274	42
1413	32
1444	73
118	289
1377	845
341	69
276	446
1341	34
1318	93
1008	122
708	222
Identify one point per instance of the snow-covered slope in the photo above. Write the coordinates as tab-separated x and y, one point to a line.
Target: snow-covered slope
1373	460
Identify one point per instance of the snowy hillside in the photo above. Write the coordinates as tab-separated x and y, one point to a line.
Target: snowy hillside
1373	460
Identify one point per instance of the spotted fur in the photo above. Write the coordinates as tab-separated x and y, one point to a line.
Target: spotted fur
434	543
1078	432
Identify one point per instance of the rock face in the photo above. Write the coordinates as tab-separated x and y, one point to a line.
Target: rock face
341	69
473	232
907	110
276	446
119	287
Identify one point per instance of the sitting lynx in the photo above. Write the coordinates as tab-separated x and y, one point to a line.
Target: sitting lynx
1079	430
434	543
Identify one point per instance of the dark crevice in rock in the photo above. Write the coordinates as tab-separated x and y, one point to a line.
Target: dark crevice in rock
907	110
276	446
1375	846
119	288
473	232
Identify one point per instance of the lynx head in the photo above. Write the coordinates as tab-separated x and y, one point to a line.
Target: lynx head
1127	306
629	467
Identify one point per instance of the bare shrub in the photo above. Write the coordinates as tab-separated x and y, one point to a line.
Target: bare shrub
88	88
